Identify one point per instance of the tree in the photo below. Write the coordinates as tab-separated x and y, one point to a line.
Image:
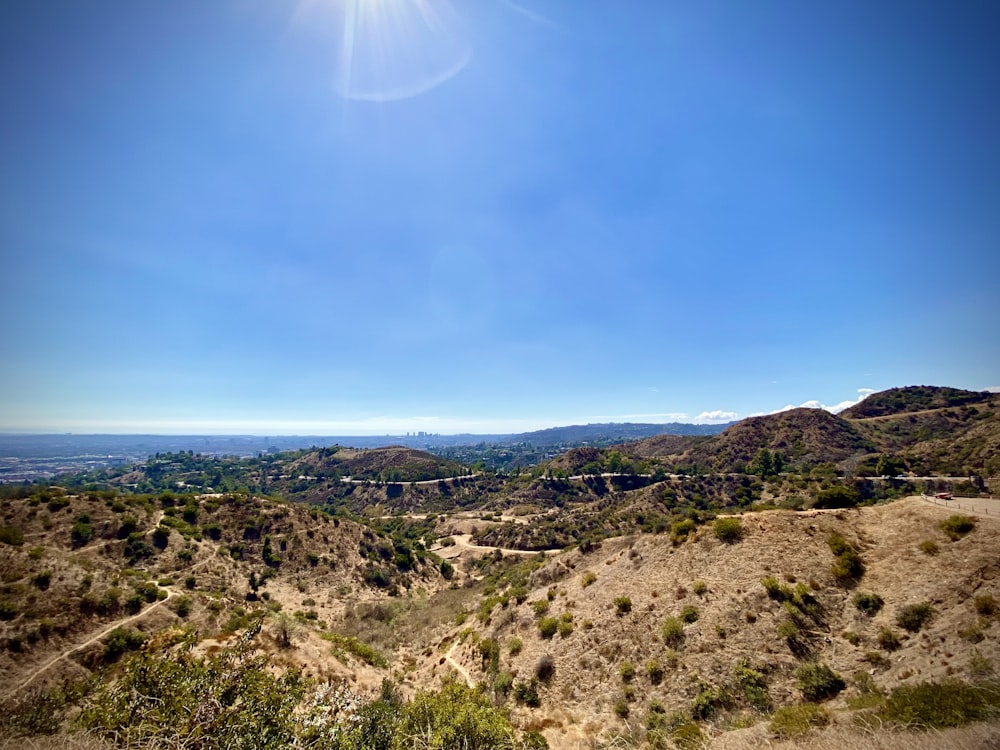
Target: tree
762	463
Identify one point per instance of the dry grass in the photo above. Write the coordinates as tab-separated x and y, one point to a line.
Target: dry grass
974	737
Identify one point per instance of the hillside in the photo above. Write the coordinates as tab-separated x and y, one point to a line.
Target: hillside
925	430
913	398
611	669
638	637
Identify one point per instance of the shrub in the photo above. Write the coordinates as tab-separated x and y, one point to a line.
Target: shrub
689	614
623	605
699	587
986	605
929	547
913	616
540	607
42	580
565	627
754	686
870	604
621	708
527	693
349	644
728	530
514	646
588	578
939	705
673	632
548	626
818	682
888	640
710	699
11	535
776	590
795	721
847	568
655	671
626	671
957	526
545	668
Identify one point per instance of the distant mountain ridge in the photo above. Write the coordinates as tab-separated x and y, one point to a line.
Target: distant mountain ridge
925	429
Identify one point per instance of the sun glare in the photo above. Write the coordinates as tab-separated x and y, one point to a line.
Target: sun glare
391	49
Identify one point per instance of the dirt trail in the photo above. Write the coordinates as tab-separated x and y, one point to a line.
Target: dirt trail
463	542
107	630
458	667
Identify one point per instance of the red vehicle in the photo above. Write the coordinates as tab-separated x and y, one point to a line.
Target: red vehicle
943	496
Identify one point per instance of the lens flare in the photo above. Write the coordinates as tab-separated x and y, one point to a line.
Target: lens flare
392	49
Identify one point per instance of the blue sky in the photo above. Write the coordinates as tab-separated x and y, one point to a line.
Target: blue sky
371	216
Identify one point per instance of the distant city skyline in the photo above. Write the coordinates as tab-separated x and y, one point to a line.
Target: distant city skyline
343	217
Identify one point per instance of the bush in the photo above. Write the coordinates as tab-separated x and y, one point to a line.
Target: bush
545	668
888	640
818	682
626	671
913	616
795	721
940	705
957	526
548	626
728	530
514	646
689	614
655	671
673	632
929	547
527	693
623	605
699	587
847	568
870	604
588	578
11	535
986	605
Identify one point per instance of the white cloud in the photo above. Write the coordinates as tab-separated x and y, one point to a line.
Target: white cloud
863	393
716	416
993	389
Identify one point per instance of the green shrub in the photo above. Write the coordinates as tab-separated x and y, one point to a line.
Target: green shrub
689	614
623	605
957	526
888	640
710	699
626	671
913	616
728	530
565	627
870	604
754	686
527	693
818	682
350	645
540	607
699	587
621	708
929	547
11	535
514	646
673	632
588	578
687	736
548	626
777	590
795	721
939	705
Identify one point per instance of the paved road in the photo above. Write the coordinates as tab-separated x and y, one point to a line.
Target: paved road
977	506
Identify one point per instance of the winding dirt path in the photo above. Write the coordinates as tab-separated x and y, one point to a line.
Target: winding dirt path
463	542
107	630
456	666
